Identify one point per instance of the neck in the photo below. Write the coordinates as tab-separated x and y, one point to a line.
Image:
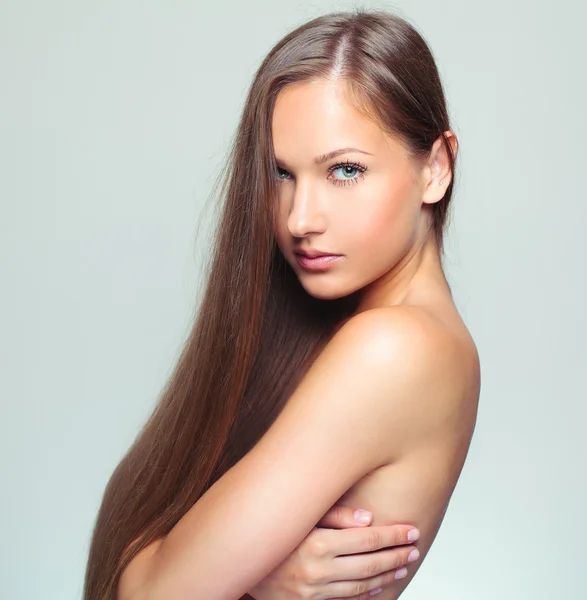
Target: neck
420	270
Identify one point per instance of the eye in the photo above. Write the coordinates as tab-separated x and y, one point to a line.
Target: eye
280	171
348	169
351	173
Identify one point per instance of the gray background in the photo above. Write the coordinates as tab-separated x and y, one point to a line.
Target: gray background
114	120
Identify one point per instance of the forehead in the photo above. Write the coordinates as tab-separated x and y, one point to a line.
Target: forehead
315	117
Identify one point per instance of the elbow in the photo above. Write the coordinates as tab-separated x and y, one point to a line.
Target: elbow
135	590
136	581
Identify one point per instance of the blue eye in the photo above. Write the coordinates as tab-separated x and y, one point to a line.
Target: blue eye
348	169
351	173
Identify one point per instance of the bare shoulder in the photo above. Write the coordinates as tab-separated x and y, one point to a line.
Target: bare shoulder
431	369
414	331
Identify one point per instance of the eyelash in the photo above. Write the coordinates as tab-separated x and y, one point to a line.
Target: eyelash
362	169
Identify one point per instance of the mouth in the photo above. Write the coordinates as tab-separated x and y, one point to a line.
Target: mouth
318	262
314	253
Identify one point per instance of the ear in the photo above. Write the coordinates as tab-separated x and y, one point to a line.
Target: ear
438	169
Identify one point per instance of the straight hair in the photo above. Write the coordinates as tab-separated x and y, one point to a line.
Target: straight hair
257	330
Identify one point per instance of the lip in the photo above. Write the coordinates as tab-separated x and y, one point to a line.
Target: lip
321	262
314	253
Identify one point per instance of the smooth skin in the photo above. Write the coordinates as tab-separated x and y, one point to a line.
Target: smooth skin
392	395
229	541
373	557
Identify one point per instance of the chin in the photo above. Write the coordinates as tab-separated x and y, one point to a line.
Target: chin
324	291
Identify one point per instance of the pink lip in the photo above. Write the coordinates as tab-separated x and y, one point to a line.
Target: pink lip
320	263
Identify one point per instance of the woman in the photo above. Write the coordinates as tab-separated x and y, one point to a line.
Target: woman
309	381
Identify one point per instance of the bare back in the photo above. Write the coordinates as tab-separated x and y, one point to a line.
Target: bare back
414	487
422	479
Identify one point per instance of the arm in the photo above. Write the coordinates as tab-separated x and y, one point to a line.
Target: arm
351	410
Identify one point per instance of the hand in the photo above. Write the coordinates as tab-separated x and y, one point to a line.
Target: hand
329	564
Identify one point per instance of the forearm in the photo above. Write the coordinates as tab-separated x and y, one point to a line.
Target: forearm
226	544
194	561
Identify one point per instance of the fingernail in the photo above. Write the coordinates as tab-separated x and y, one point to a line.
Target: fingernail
375	591
401	573
413	535
414	554
362	516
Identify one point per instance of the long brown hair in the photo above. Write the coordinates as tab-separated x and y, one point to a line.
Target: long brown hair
257	329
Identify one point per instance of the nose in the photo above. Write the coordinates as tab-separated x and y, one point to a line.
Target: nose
305	215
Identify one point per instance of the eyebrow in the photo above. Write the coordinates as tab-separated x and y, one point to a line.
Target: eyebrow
322	159
329	155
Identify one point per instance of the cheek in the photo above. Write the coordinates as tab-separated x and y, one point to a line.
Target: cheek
385	224
280	227
379	218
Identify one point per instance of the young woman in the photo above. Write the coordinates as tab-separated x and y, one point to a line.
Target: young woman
328	365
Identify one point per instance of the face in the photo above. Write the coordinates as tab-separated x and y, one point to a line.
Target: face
364	204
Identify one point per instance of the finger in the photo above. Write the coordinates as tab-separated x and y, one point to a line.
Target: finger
365	566
358	540
339	517
362	589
